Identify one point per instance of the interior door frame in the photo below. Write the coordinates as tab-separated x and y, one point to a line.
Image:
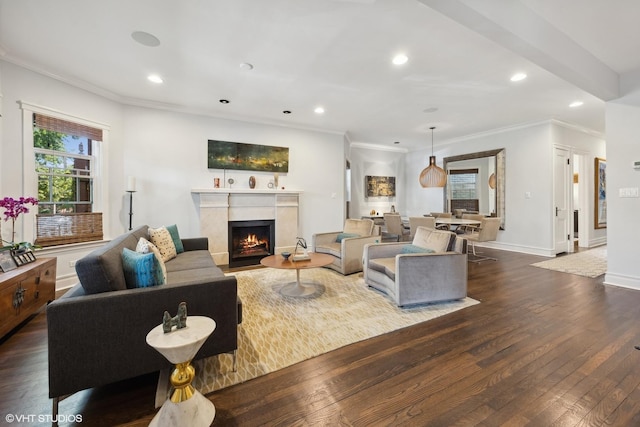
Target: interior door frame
568	190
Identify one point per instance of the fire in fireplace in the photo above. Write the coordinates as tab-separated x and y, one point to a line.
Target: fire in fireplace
250	241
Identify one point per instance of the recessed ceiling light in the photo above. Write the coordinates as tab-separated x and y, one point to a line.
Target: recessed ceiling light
286	112
245	66
319	110
224	101
154	78
396	142
575	104
400	59
145	39
430	110
518	76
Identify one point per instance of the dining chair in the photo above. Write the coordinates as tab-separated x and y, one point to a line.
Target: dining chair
470	228
394	228
417	221
487	232
437	215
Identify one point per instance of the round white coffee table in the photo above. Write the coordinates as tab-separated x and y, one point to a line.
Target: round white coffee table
186	406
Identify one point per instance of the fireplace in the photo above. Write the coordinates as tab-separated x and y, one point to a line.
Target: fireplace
250	241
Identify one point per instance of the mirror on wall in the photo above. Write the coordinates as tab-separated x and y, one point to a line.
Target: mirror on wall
476	182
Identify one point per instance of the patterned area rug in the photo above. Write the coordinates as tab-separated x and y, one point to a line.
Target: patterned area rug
591	263
278	331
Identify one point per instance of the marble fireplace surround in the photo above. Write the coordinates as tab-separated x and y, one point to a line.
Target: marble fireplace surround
219	206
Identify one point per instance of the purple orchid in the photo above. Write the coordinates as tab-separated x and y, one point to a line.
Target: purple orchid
14	207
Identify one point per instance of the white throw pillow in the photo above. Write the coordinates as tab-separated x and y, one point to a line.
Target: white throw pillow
162	239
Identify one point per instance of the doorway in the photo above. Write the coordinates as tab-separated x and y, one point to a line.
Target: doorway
563	206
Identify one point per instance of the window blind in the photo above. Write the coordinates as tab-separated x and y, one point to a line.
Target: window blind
69	128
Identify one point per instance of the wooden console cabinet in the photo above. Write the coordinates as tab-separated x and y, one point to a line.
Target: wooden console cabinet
24	290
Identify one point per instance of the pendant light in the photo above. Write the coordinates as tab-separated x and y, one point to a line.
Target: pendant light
433	175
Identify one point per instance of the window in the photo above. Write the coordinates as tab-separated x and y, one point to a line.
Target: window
463	183
463	189
65	165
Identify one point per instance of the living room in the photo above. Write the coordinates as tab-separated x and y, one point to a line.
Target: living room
163	146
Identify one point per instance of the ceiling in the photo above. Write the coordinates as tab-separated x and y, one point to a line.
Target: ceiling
337	54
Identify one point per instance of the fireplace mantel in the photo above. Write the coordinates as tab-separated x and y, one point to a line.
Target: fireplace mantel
218	206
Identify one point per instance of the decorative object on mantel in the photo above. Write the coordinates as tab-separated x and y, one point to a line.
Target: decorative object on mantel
216	182
131	188
252	181
276	177
230	181
304	256
433	175
179	320
253	157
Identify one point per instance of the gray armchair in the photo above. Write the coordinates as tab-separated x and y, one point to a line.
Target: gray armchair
409	277
346	246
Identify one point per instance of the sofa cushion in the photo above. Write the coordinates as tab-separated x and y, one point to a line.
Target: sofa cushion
162	239
141	270
197	275
190	260
175	236
414	249
333	248
146	247
436	240
341	236
101	270
384	265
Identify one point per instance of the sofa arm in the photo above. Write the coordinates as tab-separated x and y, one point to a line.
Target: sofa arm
101	338
381	250
430	277
321	239
196	244
352	250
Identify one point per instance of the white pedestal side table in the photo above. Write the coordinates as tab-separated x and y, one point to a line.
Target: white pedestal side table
186	406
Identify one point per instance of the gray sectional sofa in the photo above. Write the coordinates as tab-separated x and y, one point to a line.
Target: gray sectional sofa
97	330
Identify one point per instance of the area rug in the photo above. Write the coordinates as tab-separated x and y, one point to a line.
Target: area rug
591	263
278	331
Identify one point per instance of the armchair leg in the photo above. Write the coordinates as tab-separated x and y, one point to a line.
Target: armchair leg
479	258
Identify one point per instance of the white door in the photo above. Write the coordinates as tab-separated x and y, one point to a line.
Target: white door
562	171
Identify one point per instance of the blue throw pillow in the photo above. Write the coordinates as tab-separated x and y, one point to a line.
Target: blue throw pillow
175	236
415	249
141	270
343	236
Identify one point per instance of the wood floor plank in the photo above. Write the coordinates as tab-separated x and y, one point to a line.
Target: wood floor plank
542	348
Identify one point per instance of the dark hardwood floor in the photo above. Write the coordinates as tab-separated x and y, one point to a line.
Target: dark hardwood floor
542	349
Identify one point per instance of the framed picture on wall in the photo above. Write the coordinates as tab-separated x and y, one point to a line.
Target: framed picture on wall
380	186
600	184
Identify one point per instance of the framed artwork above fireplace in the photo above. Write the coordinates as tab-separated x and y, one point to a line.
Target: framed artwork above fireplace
251	157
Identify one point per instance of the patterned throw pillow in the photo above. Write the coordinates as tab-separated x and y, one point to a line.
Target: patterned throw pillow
162	239
145	247
140	270
175	236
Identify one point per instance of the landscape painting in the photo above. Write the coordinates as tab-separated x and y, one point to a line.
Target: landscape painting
251	157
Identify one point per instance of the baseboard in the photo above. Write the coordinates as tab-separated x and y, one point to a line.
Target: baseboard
622	281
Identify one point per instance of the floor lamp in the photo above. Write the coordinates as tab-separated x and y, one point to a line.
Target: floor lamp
131	188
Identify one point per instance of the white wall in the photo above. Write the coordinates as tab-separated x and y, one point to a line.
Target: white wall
368	160
166	152
623	128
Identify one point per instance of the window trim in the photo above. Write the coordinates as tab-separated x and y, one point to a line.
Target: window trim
30	177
